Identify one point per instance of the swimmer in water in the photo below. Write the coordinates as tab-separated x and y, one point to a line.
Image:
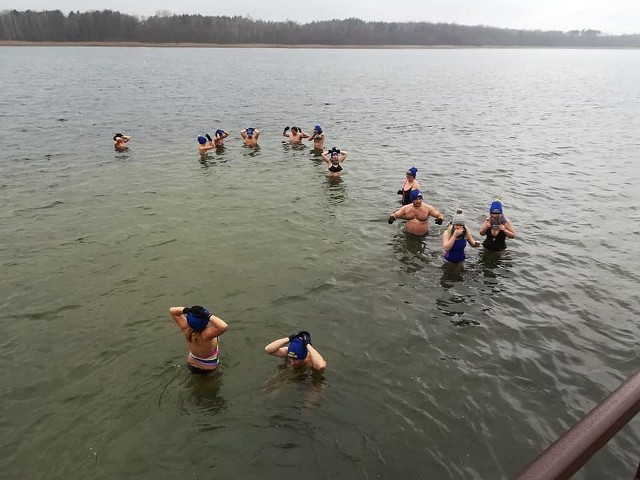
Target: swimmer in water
205	144
455	239
298	351
295	135
417	215
410	184
496	228
318	138
250	136
120	142
219	136
334	158
201	330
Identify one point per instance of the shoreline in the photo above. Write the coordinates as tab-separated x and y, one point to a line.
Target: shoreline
20	43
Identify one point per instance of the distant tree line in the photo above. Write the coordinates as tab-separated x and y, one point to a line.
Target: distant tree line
110	26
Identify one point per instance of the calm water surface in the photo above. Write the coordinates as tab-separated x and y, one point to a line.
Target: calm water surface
433	372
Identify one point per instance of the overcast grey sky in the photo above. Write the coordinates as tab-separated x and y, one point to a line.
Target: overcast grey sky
610	16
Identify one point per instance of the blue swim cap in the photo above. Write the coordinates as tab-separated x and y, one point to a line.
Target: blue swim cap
412	171
318	128
496	207
415	194
250	131
219	133
297	349
202	139
198	318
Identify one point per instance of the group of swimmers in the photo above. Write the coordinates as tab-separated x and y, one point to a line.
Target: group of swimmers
495	228
202	329
334	157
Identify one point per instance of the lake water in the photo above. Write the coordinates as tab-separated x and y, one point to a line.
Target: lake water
433	372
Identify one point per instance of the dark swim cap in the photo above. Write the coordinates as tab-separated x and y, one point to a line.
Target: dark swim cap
413	171
250	131
116	136
415	194
297	349
219	133
198	318
202	139
318	128
496	207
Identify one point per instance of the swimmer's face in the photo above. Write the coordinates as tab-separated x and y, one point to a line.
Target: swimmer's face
495	217
295	363
417	202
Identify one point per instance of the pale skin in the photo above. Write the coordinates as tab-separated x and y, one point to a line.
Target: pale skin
278	348
295	136
410	183
493	219
120	143
202	343
333	158
219	140
203	149
250	140
454	233
417	215
318	140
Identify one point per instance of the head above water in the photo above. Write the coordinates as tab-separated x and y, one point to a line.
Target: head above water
295	129
117	136
297	349
317	128
219	133
413	171
415	195
334	151
458	218
496	207
202	139
198	318
250	131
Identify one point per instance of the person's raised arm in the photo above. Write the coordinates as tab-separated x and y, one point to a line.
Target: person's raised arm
256	134
398	214
243	133
278	348
317	361
325	158
285	132
448	238
472	241
304	134
343	156
509	230
486	226
176	313
435	213
216	328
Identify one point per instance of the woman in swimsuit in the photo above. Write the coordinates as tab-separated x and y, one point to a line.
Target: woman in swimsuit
334	158
120	142
496	228
410	184
455	238
201	330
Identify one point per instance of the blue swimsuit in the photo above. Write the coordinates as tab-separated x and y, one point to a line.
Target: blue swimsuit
456	254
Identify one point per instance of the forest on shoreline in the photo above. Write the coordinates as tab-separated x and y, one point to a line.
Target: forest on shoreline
115	27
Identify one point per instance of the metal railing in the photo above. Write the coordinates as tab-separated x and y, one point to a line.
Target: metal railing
572	450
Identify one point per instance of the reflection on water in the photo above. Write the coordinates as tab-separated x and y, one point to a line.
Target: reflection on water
309	385
205	391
